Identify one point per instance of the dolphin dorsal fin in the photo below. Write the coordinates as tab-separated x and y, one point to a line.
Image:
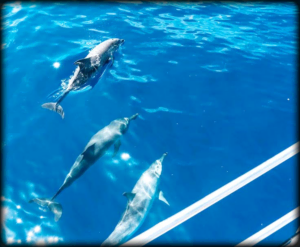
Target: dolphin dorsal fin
162	198
129	196
89	151
83	63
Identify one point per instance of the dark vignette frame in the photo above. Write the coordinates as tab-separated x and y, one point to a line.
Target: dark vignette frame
3	113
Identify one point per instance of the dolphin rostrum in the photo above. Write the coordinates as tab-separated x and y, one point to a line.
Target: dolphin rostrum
96	147
96	61
139	202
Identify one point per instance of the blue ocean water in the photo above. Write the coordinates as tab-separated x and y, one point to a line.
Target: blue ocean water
215	87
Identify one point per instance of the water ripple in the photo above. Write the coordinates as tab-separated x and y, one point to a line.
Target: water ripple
66	24
135	23
14	23
14	217
130	77
164	109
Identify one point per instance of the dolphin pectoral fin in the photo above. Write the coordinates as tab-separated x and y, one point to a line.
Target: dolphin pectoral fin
89	151
116	147
110	60
129	196
162	198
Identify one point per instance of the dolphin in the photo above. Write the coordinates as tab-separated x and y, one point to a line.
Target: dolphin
96	147
139	202
293	240
96	61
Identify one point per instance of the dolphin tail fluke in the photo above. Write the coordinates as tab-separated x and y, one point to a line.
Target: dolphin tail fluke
54	107
40	201
54	207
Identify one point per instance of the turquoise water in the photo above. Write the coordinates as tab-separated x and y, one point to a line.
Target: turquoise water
215	87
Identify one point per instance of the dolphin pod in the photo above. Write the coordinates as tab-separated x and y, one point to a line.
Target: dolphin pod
96	147
146	190
139	202
88	67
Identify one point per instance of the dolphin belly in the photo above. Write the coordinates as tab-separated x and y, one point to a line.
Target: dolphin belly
56	94
123	231
81	90
132	219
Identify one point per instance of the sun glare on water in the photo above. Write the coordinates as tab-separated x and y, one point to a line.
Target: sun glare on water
37	229
56	65
125	156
